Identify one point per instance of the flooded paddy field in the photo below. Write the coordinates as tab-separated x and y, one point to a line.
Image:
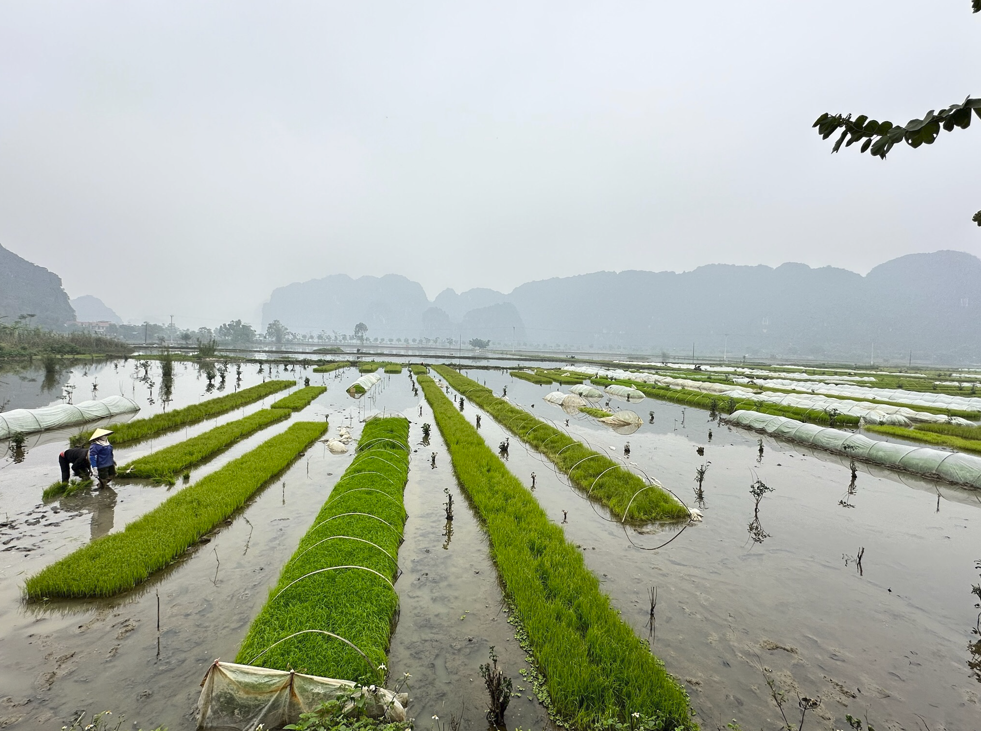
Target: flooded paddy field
889	638
742	597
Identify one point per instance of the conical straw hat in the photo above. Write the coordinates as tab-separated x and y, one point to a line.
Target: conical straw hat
99	433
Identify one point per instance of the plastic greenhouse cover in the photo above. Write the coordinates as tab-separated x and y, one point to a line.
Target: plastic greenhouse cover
587	392
913	398
630	395
366	382
569	402
244	698
27	421
954	467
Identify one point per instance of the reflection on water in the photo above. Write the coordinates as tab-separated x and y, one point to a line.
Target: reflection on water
101	504
974	647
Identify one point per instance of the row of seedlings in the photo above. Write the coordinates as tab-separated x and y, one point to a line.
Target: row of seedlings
334	608
120	561
625	494
165	463
597	672
955	436
330	367
142	429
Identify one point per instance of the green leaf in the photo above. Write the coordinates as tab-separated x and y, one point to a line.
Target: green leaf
861	120
821	120
866	145
840	140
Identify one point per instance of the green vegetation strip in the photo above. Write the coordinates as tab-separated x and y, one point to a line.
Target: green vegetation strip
726	404
595	667
344	598
328	367
299	399
535	378
141	429
565	378
169	461
602	478
595	413
419	370
393	368
120	561
919	434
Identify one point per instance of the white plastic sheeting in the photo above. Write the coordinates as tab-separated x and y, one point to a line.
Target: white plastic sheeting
244	697
754	372
27	421
569	402
954	467
913	398
587	392
623	422
868	412
366	382
630	395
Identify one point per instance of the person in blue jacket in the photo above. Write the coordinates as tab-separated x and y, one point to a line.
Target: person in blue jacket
100	456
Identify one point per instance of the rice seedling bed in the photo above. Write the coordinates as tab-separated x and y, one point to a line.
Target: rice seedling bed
725	404
393	368
418	370
120	561
625	494
595	413
931	437
356	557
171	460
299	399
141	429
535	378
565	378
595	668
330	367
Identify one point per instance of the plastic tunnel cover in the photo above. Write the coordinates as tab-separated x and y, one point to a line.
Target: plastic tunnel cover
26	421
954	467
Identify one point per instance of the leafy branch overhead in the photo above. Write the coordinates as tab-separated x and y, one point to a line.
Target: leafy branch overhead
881	136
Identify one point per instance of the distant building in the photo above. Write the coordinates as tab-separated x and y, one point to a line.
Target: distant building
97	328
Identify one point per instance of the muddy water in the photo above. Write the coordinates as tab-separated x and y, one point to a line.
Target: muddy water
889	639
451	612
63	658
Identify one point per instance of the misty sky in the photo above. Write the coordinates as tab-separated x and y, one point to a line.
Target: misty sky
187	158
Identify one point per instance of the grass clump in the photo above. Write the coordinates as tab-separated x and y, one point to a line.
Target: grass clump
354	604
617	488
536	378
141	429
169	461
595	667
330	367
299	399
595	413
929	436
120	561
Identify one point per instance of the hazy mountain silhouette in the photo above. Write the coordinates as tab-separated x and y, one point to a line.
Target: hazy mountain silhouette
92	309
924	303
28	289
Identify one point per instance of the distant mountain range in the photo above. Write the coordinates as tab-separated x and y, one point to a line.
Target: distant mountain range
927	304
92	309
28	289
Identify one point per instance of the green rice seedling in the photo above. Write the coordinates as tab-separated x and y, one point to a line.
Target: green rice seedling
169	461
141	429
930	437
393	368
624	493
418	370
595	667
563	377
369	366
120	561
328	367
339	580
299	399
64	489
536	378
970	433
595	413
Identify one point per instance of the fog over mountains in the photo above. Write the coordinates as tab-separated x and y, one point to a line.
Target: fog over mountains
924	303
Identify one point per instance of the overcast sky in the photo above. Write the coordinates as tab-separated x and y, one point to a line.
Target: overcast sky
188	158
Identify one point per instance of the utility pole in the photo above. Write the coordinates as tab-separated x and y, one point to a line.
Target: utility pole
872	362
146	327
512	339
693	352
725	350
